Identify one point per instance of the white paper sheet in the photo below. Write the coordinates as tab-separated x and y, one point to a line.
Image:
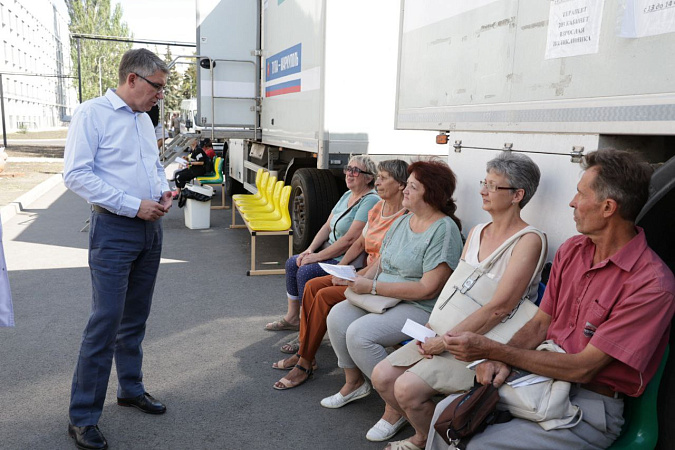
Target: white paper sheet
648	18
475	363
574	28
521	377
417	331
344	272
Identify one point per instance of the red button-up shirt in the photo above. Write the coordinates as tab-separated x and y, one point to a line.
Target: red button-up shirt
622	305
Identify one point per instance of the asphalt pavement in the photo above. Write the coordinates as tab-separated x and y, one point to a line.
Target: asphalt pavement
206	355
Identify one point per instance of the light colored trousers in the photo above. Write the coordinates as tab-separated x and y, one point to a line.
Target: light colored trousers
600	426
359	338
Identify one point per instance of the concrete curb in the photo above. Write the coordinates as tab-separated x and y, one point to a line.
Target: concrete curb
15	207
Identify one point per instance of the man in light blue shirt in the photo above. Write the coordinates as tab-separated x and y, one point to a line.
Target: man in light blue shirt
111	161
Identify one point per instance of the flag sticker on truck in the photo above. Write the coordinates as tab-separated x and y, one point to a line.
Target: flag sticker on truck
284	69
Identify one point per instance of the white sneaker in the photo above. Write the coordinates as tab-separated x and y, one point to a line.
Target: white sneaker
383	430
338	400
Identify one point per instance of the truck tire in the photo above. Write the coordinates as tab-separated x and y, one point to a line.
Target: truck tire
314	193
232	186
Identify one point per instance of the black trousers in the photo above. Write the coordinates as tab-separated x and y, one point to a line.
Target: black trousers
182	177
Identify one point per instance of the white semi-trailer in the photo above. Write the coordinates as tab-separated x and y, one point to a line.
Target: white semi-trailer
298	86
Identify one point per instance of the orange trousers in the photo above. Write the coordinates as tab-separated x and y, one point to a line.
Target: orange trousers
317	300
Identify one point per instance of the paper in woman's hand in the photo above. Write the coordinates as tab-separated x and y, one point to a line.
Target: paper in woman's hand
344	272
417	331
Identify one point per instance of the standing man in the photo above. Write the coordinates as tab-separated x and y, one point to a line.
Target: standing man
608	304
175	124
111	161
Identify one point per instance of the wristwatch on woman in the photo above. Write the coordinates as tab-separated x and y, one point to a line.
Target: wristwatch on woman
374	289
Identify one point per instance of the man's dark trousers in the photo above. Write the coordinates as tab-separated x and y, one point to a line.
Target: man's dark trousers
124	256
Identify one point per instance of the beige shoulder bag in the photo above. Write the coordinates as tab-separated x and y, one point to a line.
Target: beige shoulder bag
468	290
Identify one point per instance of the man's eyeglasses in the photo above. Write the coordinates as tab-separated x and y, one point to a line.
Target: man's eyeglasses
158	87
354	171
491	187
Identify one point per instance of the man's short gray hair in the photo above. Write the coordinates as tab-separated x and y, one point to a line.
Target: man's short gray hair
369	165
397	168
622	176
519	170
140	61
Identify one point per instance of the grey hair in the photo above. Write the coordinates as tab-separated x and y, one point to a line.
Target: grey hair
368	163
397	168
519	170
141	61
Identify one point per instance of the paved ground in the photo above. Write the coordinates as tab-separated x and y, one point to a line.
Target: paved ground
27	167
206	354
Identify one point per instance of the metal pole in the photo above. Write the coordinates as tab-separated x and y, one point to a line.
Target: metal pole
161	120
2	111
213	100
100	78
79	71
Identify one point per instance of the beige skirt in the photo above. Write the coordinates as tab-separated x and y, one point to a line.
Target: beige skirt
442	372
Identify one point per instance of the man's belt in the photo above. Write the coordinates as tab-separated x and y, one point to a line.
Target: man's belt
601	389
102	210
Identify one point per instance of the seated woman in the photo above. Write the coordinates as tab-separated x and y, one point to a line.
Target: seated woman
409	378
344	226
322	293
419	252
199	164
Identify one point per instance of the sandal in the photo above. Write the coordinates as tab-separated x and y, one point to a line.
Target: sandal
291	347
285	383
281	325
402	445
281	365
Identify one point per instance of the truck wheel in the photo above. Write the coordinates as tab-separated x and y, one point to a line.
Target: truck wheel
232	186
314	193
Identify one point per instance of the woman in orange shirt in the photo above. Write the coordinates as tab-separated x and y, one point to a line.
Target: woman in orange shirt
322	293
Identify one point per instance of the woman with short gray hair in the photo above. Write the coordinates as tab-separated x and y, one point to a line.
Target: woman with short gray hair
520	171
421	370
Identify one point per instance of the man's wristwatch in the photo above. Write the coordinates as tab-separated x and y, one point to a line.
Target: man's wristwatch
374	289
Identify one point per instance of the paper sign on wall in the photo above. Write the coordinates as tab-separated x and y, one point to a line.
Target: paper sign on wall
648	18
574	28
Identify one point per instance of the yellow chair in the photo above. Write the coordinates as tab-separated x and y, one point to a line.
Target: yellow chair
264	179
257	195
259	214
268	204
284	223
216	177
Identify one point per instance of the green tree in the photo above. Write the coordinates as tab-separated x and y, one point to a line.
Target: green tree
172	93
97	56
189	82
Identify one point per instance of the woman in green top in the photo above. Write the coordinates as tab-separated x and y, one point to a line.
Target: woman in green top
419	252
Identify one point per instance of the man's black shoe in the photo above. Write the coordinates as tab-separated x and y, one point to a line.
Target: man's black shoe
88	438
145	402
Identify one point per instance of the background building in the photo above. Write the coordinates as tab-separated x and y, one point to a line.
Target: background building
35	64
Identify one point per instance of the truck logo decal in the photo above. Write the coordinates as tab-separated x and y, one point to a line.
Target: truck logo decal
286	67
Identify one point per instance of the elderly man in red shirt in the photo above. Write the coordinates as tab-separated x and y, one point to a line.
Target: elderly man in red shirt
608	304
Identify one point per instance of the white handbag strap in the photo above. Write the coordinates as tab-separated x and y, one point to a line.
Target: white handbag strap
487	264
